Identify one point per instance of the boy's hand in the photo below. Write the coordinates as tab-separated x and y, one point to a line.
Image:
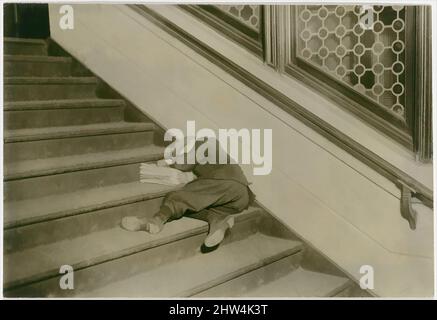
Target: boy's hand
185	177
162	163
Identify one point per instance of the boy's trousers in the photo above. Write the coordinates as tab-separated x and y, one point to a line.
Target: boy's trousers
207	199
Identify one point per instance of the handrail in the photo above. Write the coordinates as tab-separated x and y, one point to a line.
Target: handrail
409	186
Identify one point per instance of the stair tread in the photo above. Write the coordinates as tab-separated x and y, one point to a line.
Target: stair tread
24	40
35	58
28	211
31	134
56	165
61	104
43	261
50	80
301	283
189	276
36	263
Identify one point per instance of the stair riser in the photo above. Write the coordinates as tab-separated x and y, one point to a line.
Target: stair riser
25	48
40	149
102	274
26	92
80	224
242	285
351	289
69	182
346	291
37	69
61	117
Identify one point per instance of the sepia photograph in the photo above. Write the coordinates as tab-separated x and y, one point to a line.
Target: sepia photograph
218	150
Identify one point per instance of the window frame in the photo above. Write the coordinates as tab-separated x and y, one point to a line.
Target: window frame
415	132
231	27
275	44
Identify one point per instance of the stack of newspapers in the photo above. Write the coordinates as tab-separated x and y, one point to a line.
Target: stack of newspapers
152	173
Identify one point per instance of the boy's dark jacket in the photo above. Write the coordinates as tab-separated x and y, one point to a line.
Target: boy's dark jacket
217	171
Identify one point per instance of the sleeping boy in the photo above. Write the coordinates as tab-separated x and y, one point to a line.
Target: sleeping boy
218	192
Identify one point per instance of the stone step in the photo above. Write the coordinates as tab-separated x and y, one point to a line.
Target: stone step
283	278
36	66
302	283
72	174
53	218
49	88
43	177
21	46
54	113
190	276
112	255
250	281
47	142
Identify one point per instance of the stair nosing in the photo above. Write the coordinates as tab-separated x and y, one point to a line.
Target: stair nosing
334	288
49	80
60	214
25	40
11	106
105	258
347	283
238	273
295	248
36	58
81	131
124	252
155	155
86	209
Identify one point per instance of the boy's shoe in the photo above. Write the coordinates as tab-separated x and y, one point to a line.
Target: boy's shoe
152	225
205	249
217	232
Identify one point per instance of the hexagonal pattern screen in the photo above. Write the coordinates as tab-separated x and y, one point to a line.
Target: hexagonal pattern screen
249	15
367	56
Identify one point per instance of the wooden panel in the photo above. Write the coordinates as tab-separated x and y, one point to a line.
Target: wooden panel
250	36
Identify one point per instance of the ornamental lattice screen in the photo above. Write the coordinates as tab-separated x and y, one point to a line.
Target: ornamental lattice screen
249	15
241	23
370	58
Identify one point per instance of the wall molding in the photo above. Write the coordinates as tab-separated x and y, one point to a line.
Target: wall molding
392	173
423	85
232	29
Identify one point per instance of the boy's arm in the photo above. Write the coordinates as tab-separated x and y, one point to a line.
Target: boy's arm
183	167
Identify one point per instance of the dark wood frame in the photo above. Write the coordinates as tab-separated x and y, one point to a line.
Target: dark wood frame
423	85
230	27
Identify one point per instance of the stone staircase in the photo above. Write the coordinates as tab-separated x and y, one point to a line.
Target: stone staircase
71	171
